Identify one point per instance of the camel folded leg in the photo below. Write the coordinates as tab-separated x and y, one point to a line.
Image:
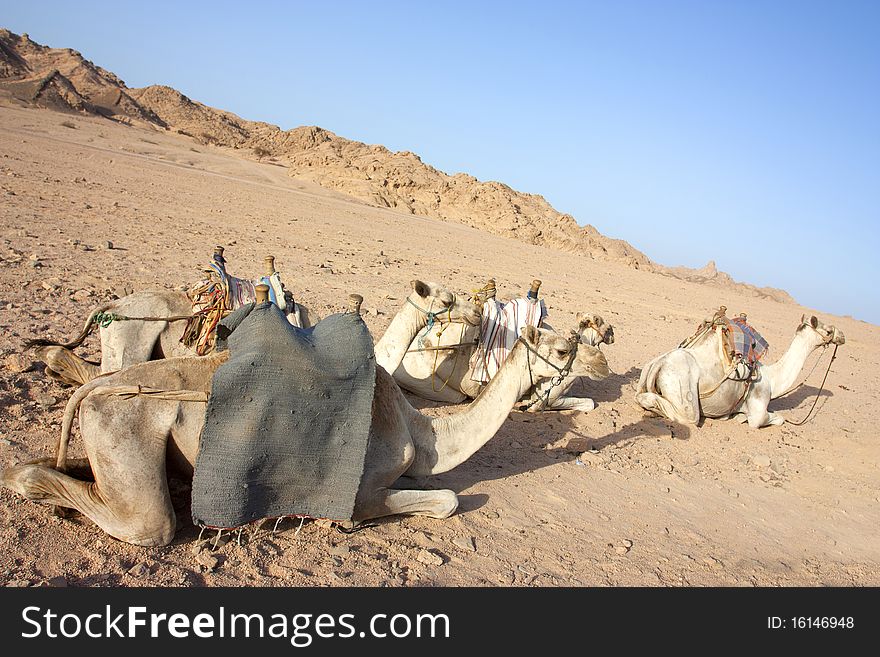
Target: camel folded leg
665	408
43	484
432	503
65	366
756	409
584	404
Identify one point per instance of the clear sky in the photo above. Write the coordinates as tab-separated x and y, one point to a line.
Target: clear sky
743	132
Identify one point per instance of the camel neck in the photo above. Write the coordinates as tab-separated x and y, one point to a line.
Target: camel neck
457	437
394	343
784	372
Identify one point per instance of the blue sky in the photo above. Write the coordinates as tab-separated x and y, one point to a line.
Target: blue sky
743	132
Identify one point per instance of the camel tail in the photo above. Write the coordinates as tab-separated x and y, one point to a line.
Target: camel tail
78	340
67	423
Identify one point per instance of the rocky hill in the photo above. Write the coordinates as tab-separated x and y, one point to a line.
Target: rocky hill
62	79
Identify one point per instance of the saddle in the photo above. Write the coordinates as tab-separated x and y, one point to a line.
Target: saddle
743	343
288	420
220	293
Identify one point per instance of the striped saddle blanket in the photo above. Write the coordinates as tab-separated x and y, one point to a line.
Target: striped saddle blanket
745	342
499	330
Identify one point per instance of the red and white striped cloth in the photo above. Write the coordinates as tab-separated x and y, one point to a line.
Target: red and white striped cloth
499	329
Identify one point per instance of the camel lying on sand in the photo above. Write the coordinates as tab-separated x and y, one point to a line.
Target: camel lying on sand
125	343
130	440
686	384
440	366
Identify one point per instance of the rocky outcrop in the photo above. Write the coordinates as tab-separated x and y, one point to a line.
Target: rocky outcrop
61	79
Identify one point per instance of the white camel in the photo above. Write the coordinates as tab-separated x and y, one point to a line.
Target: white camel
686	384
439	366
130	440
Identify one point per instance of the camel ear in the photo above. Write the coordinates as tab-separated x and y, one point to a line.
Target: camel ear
803	319
530	334
420	288
584	320
814	322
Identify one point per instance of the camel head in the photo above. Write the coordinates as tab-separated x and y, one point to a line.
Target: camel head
827	333
550	353
592	330
436	299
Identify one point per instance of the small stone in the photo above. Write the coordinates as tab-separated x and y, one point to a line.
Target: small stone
592	458
339	550
761	460
58	582
46	401
430	557
6	441
627	543
620	549
466	543
198	546
667	467
107	245
139	569
208	560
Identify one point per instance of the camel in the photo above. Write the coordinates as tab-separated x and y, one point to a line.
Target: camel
125	343
439	366
670	385
129	440
592	331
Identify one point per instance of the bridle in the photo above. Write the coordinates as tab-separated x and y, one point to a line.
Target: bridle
436	316
826	340
556	380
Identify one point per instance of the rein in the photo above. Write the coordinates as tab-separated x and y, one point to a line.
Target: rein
827	341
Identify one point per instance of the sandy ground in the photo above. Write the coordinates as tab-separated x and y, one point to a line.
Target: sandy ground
658	504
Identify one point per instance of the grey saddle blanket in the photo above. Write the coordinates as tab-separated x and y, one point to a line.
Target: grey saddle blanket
288	420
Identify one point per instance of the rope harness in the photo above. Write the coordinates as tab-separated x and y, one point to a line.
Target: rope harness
720	324
555	381
436	318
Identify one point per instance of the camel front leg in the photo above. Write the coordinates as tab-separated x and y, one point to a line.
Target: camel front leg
584	404
432	503
756	408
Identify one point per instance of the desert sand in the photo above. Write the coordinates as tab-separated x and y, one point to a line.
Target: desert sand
649	503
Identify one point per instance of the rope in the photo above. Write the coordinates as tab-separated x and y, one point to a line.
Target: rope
454	362
105	319
821	388
154	393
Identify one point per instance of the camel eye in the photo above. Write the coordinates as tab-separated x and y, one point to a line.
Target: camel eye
562	353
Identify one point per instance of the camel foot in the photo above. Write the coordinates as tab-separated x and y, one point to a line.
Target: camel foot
27	481
776	420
